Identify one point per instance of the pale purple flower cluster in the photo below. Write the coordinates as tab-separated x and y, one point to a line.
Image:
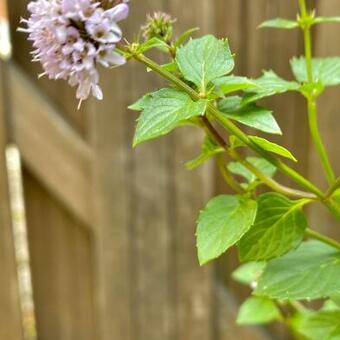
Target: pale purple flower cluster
72	36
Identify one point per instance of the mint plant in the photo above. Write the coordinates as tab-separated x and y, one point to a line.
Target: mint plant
285	262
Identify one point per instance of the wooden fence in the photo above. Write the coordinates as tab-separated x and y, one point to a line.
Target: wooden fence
111	229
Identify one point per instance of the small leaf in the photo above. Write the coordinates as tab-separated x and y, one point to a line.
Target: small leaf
164	111
152	43
185	36
229	84
268	85
272	147
235	142
258	310
319	325
248	273
325	70
279	227
310	272
260	163
279	23
209	149
221	225
204	60
322	20
250	115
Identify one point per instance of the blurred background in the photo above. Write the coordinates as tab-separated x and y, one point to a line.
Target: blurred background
96	238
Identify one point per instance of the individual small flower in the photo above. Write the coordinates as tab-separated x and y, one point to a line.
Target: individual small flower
71	37
159	25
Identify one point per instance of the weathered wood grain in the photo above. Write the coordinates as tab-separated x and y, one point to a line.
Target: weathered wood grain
10	314
50	147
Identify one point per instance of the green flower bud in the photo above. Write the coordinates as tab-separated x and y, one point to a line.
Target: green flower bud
159	25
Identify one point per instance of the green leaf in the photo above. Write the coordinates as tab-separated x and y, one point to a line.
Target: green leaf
222	224
185	36
164	111
310	272
209	149
153	43
204	60
229	84
325	70
268	85
272	147
260	163
322	20
279	23
319	325
258	310
249	273
141	103
279	227
250	115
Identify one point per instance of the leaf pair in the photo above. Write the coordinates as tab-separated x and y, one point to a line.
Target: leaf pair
263	230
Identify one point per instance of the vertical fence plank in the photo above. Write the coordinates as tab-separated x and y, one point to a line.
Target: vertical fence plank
61	267
10	317
151	229
191	190
112	184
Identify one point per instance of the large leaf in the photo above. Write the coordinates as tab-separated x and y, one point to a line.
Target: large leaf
260	163
279	227
318	325
272	147
279	23
250	115
163	111
229	84
268	85
249	273
209	149
222	224
204	60
310	272
258	310
325	70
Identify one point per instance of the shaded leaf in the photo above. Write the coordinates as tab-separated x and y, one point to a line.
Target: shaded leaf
248	273
185	36
268	85
310	272
325	70
250	115
318	325
260	163
279	23
279	227
222	223
229	84
258	310
209	149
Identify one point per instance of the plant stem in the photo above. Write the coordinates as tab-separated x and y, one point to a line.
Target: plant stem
311	100
231	127
314	129
271	183
317	236
333	188
228	176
